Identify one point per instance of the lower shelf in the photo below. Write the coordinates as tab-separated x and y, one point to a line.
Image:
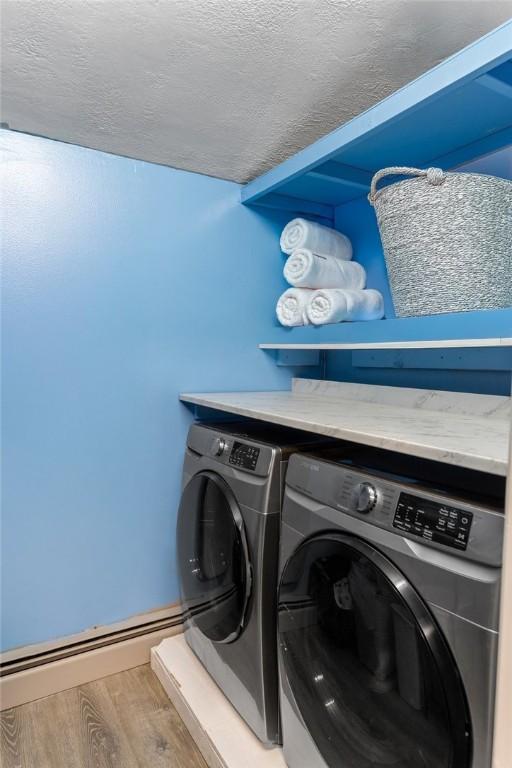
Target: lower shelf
442	344
491	328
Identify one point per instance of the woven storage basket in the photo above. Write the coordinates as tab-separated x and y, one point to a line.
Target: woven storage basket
447	240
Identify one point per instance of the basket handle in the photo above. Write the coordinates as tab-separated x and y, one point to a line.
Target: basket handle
434	176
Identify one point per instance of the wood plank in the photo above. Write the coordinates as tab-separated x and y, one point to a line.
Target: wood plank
11	743
103	743
50	733
41	734
157	734
123	721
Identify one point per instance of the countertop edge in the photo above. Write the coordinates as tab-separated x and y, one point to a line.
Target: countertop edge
470	461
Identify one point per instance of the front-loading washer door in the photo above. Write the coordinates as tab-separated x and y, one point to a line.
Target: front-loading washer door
369	671
213	558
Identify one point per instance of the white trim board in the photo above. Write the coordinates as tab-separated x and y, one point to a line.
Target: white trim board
218	730
434	344
56	676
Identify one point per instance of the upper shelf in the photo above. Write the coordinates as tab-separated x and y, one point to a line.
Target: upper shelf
431	121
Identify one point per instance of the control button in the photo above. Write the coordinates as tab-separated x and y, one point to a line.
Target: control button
219	446
366	497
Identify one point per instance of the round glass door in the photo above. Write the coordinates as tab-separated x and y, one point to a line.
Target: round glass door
213	558
369	669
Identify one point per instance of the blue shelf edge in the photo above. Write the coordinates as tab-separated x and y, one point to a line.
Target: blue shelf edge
482	324
462	68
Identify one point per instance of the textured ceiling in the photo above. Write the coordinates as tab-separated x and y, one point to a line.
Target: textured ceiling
223	87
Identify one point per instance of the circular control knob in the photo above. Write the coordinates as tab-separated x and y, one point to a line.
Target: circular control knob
219	446
366	497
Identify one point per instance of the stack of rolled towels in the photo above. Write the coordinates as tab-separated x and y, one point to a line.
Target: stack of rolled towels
327	286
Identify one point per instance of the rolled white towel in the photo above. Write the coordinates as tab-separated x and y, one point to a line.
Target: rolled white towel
305	269
291	306
300	233
334	305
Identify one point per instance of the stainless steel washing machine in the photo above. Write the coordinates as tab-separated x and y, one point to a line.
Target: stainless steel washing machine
388	613
228	551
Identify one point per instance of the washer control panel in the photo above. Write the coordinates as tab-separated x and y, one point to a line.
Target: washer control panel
431	520
355	498
243	455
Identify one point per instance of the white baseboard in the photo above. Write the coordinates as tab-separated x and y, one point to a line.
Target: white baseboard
83	666
51	647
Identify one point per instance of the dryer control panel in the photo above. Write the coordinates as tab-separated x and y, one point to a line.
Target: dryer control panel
244	455
433	521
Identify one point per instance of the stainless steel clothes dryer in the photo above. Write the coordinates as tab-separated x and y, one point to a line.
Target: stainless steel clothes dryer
388	613
228	551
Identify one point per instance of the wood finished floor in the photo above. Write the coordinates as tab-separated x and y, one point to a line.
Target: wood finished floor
122	721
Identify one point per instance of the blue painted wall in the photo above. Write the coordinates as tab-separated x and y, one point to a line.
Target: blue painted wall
124	283
483	371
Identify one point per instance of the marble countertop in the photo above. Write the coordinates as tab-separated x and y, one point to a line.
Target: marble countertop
455	428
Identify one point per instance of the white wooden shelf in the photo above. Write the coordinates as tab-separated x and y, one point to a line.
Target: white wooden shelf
434	344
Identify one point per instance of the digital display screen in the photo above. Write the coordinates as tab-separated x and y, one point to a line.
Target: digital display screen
433	521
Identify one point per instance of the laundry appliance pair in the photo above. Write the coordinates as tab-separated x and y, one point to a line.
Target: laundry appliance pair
384	576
